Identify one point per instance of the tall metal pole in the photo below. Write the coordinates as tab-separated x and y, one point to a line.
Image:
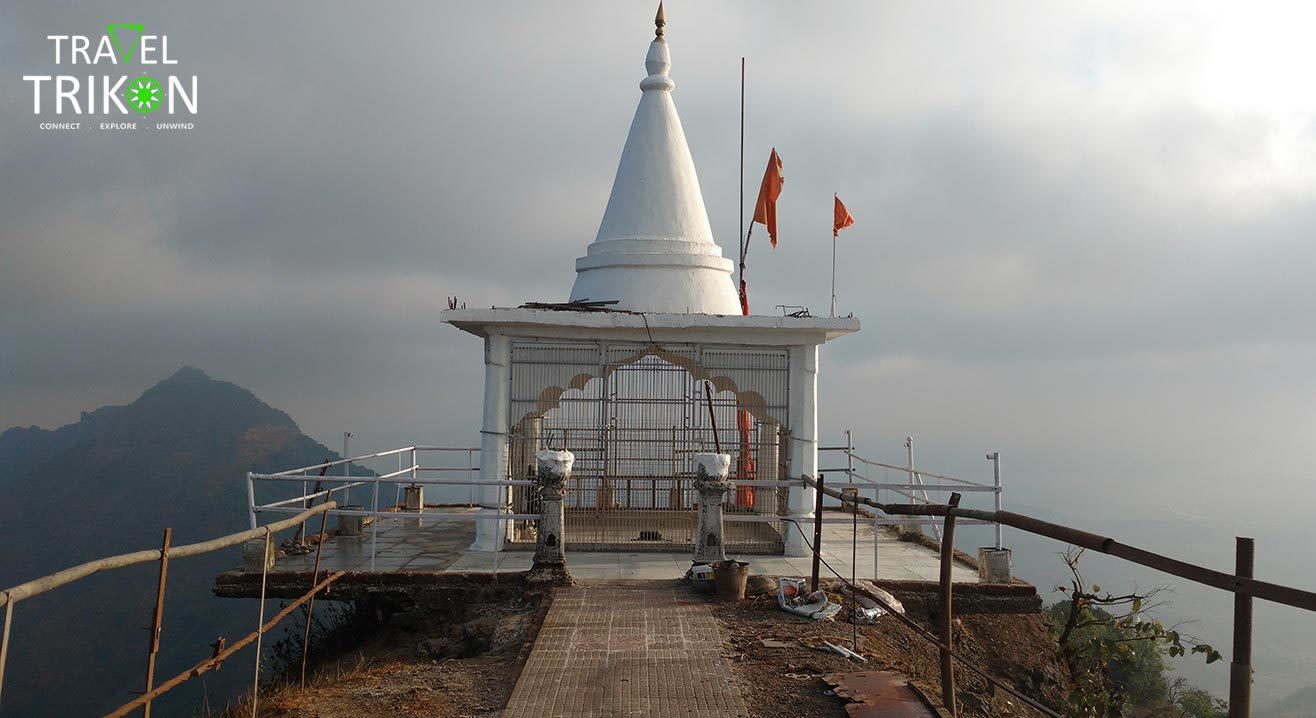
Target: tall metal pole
347	471
852	493
740	233
995	458
153	645
817	534
833	274
911	526
1240	669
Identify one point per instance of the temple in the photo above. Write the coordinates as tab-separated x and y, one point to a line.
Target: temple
633	375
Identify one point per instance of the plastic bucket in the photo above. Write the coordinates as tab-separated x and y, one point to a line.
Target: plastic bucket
729	579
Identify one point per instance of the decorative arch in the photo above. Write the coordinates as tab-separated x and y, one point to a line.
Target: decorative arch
550	397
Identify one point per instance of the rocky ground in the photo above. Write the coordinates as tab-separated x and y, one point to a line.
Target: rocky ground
774	654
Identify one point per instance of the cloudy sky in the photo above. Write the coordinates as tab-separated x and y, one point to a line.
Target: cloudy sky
1084	230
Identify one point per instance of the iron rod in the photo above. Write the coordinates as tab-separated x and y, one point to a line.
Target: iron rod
712	418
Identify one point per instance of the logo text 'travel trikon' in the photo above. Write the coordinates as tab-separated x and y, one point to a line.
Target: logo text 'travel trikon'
142	84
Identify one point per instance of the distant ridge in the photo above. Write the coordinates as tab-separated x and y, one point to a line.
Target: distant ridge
111	483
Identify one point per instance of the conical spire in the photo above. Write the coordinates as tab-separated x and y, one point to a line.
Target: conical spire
655	250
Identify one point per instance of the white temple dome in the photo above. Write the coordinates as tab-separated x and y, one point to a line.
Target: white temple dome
655	251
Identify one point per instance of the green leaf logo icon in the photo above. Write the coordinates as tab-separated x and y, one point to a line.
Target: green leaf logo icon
144	94
123	45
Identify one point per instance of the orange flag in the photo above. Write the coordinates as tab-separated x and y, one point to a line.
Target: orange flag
842	217
765	212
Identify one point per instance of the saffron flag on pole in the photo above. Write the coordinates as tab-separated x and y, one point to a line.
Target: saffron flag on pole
765	211
842	217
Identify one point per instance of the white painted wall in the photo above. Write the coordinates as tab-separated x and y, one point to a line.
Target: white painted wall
803	444
489	534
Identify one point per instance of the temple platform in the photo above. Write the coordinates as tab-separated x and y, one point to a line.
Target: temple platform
438	541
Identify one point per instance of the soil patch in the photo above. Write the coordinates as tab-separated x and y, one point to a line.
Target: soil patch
773	656
450	652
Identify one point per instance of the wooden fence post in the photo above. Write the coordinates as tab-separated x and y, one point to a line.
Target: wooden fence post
1240	669
310	605
4	640
817	534
153	645
947	598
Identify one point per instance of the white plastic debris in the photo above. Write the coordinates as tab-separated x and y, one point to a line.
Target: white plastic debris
866	611
845	652
791	597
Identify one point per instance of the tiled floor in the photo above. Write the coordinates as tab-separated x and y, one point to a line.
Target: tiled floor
611	651
438	541
430	542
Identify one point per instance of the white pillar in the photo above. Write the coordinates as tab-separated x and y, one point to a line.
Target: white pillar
803	444
490	535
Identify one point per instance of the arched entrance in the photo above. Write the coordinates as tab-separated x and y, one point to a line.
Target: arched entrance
634	415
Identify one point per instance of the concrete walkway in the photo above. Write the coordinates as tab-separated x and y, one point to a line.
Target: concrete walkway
613	651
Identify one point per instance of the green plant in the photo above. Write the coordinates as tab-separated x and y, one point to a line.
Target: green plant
1115	648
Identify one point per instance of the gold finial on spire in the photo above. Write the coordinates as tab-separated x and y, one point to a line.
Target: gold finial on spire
659	21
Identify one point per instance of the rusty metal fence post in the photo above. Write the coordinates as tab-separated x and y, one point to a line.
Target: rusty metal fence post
947	598
1240	668
153	645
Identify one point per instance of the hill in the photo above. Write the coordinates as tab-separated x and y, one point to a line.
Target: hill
1301	704
111	483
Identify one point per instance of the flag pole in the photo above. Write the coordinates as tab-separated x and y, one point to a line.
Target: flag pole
741	231
833	273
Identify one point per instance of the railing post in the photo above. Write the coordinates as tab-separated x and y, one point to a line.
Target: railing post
251	500
911	525
817	533
153	645
947	601
1240	669
995	458
347	471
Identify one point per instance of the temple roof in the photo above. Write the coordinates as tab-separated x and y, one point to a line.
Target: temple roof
655	250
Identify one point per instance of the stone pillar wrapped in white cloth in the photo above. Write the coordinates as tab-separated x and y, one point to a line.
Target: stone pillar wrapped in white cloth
711	482
553	470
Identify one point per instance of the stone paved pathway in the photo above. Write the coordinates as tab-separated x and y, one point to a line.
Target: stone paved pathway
622	651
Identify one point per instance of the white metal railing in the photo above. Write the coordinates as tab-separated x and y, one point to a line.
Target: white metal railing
444	466
915	489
